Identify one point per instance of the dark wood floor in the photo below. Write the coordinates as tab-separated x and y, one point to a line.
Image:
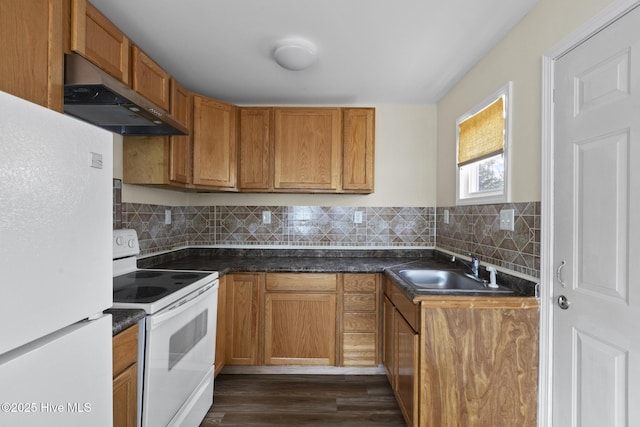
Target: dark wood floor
303	400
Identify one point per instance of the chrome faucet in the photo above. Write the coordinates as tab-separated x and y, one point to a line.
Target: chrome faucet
475	265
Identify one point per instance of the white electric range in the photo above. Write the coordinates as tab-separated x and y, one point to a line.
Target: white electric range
180	339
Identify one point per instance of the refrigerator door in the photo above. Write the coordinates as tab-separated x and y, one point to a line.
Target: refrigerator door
55	221
62	380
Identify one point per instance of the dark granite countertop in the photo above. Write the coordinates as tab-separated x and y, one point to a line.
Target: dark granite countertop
323	261
122	318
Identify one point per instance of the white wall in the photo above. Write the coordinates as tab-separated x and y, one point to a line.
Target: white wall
518	58
405	170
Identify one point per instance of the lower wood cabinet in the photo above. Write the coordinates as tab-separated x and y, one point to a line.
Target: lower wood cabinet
312	319
462	361
244	296
479	359
300	329
360	320
125	378
406	369
221	326
300	319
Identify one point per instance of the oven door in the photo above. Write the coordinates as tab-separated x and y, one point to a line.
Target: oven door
179	355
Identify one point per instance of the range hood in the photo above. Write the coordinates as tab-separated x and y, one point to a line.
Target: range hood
94	96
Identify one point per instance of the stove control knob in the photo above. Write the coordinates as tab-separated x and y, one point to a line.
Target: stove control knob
119	241
130	243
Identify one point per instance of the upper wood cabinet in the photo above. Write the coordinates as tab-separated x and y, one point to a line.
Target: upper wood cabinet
149	79
358	144
162	160
32	51
180	149
99	40
214	144
307	149
254	145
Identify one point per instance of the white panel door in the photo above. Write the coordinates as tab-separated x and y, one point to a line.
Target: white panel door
596	360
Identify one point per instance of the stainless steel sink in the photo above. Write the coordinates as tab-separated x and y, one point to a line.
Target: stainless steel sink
447	281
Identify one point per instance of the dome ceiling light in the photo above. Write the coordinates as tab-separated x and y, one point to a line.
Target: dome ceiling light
295	54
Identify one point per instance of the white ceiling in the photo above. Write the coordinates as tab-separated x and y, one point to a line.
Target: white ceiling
369	51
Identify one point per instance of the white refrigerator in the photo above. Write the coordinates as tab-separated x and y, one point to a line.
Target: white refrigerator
55	268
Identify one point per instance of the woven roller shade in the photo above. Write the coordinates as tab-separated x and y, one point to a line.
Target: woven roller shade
482	135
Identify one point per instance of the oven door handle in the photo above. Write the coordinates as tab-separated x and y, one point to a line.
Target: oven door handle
182	305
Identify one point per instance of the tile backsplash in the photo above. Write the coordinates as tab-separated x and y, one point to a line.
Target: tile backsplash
471	229
476	229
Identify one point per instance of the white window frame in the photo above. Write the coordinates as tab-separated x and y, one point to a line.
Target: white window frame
502	196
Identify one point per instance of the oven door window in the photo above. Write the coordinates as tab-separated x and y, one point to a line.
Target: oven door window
187	338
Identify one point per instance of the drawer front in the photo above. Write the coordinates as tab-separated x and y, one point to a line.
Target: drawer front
360	349
359	302
303	282
406	307
359	283
125	349
359	322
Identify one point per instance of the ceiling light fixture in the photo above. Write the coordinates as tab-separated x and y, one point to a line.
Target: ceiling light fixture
295	54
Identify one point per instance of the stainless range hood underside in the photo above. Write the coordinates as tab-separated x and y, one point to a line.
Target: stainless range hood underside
94	96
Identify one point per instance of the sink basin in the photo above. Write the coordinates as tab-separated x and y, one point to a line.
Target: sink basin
447	281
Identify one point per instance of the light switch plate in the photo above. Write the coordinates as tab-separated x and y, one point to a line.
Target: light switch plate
357	217
167	216
506	219
446	216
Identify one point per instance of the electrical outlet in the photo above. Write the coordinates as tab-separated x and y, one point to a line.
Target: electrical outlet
167	216
266	217
446	216
506	219
357	217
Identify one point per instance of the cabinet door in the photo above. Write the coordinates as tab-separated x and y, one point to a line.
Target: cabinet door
300	329
99	40
221	322
480	364
214	144
255	149
125	398
358	140
180	153
32	51
406	359
242	316
149	79
307	149
389	341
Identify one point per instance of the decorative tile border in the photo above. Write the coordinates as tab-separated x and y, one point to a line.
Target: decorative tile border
476	230
471	229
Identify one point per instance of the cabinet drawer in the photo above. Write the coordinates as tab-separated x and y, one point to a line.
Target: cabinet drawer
359	349
359	302
359	322
303	282
362	283
125	349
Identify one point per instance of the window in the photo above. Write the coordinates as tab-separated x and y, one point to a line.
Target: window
483	136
